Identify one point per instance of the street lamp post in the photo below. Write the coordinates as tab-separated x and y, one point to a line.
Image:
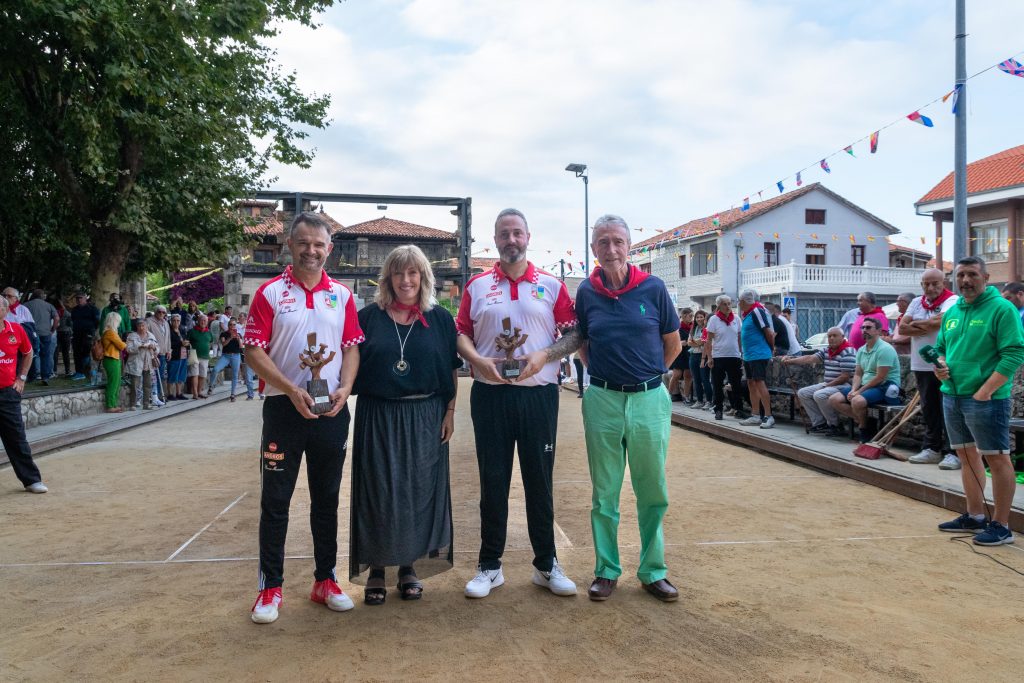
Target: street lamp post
581	172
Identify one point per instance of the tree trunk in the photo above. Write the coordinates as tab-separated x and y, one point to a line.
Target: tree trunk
107	258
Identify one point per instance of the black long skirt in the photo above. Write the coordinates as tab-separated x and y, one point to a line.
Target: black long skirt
401	499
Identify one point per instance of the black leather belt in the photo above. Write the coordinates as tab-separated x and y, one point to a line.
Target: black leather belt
652	383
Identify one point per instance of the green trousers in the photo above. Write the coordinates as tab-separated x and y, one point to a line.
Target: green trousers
112	369
625	428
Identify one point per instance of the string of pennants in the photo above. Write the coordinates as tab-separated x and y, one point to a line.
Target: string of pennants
1008	66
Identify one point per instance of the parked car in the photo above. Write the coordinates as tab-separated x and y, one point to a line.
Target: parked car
816	341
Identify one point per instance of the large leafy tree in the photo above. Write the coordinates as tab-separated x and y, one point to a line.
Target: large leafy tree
135	122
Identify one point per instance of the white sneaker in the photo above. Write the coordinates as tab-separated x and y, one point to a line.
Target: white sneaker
481	584
555	581
752	421
38	487
950	462
267	602
157	402
926	457
768	422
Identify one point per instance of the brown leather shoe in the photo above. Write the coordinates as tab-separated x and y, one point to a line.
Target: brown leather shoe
601	589
663	590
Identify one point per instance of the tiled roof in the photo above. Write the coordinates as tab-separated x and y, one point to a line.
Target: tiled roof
274	225
477	265
736	216
1005	169
909	250
389	227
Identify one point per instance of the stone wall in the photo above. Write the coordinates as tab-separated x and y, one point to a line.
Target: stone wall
49	408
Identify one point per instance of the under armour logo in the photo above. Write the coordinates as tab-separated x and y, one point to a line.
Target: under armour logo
549	448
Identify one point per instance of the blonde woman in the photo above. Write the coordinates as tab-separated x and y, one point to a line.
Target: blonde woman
112	348
405	416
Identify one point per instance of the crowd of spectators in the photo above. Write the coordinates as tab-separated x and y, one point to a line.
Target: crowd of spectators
161	356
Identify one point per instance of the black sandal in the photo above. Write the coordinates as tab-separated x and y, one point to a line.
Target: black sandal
409	590
375	595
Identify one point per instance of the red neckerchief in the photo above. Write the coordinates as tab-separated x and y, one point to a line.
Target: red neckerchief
756	304
877	310
845	345
201	329
634	277
934	306
413	311
13	307
727	321
685	328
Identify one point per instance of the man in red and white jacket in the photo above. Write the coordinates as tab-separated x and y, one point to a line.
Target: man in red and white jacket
13	375
514	415
284	310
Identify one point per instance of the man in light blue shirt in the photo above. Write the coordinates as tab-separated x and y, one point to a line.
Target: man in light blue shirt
757	336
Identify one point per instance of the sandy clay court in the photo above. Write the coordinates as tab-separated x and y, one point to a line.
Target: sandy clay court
140	565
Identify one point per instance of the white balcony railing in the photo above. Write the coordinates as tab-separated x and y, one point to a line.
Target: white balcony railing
798	277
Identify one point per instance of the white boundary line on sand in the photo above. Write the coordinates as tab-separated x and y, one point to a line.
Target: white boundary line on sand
473	552
197	534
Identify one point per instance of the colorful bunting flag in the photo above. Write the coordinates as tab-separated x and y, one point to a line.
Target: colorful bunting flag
814	235
849	150
918	117
775	235
870	238
922	240
824	166
852	240
759	195
746	203
1012	67
938	241
956	97
714	221
781	188
835	238
798	181
874	141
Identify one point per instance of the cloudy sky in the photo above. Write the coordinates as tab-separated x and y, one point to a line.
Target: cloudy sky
679	108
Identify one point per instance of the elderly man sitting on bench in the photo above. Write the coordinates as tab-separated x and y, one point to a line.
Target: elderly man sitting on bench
840	361
876	379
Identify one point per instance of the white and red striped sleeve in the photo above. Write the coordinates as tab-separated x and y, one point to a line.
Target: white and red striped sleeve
259	326
464	321
352	334
565	311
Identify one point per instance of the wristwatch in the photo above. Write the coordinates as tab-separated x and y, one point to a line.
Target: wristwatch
23	378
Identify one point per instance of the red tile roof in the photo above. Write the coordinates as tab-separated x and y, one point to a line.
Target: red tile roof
1005	169
389	227
274	225
737	216
909	250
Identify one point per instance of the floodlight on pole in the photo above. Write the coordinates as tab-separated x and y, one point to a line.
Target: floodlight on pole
581	172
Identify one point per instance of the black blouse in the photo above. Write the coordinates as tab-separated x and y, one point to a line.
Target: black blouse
429	351
175	344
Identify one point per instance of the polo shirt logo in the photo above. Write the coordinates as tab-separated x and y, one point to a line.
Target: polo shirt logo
643	310
538	292
331	300
11	339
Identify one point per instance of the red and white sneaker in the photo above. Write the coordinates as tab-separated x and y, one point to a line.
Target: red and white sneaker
326	592
264	611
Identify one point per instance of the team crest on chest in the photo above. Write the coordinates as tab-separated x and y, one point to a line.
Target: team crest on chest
11	339
331	300
538	292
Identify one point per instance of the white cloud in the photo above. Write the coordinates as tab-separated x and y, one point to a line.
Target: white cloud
679	108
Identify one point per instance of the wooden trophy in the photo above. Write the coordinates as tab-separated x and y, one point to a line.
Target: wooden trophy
508	341
313	358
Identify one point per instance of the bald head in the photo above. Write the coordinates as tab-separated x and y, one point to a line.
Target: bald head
933	283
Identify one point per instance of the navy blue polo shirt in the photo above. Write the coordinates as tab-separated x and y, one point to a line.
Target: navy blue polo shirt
625	329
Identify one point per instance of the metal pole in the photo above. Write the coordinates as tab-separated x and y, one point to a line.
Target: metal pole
561	263
960	142
586	226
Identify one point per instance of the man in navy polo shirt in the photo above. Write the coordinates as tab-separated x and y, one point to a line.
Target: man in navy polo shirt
631	334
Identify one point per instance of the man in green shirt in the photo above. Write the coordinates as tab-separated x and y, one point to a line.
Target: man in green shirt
200	339
980	347
876	379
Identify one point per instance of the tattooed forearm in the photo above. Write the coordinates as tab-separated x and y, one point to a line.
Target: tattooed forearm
569	342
